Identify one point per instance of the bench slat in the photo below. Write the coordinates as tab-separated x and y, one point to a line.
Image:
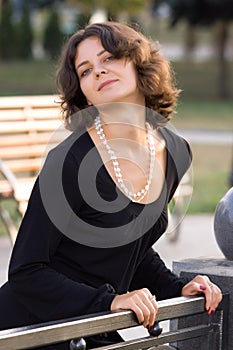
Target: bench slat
32	138
32	114
24	166
24	101
16	127
25	151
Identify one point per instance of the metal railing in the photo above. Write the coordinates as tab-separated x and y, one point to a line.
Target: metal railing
81	327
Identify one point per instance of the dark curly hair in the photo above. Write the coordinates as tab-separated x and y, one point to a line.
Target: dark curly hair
155	76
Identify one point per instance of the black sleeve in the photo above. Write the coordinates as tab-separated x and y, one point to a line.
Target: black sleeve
154	275
45	292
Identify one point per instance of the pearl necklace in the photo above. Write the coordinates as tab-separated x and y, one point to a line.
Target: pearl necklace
137	196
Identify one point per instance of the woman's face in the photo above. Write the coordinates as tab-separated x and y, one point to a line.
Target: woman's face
103	78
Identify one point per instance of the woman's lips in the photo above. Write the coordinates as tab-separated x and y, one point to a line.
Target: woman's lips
106	83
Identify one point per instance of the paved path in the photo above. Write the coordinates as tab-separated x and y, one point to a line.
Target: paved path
196	240
201	52
208	137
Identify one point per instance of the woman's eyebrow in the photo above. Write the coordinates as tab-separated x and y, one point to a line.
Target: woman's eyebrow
81	64
101	53
85	62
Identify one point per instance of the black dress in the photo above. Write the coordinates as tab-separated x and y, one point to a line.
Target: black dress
82	241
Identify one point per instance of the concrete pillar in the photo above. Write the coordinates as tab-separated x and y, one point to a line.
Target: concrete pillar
220	272
223	224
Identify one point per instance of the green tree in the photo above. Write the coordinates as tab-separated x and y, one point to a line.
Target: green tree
83	19
207	13
7	33
53	36
24	34
43	3
113	7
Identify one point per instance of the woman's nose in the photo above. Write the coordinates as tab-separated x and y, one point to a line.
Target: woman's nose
99	71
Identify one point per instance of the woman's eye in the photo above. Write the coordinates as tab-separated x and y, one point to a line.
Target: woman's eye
85	72
109	58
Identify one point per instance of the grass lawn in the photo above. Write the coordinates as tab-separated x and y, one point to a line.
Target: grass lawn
10	206
208	115
211	169
199	80
27	78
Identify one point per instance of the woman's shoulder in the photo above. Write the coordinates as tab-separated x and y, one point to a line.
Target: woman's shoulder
175	143
68	154
171	135
77	144
179	150
77	141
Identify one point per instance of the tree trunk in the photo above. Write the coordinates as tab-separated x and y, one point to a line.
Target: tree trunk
223	79
190	41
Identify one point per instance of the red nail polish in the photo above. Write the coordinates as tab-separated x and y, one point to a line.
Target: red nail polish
212	312
202	287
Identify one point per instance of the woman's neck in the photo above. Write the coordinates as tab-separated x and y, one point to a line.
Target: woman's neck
123	120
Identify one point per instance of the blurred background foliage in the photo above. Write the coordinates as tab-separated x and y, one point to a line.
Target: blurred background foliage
196	35
196	28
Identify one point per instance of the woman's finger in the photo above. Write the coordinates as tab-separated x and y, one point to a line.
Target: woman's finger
153	307
202	284
213	297
147	303
142	302
212	293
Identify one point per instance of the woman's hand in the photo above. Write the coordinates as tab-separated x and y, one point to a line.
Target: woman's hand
142	302
202	284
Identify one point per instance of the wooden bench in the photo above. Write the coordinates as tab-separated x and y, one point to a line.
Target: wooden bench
27	133
214	332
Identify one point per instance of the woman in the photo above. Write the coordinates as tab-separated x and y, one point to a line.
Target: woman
100	202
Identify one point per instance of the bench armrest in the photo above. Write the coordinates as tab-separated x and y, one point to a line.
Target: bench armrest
8	175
